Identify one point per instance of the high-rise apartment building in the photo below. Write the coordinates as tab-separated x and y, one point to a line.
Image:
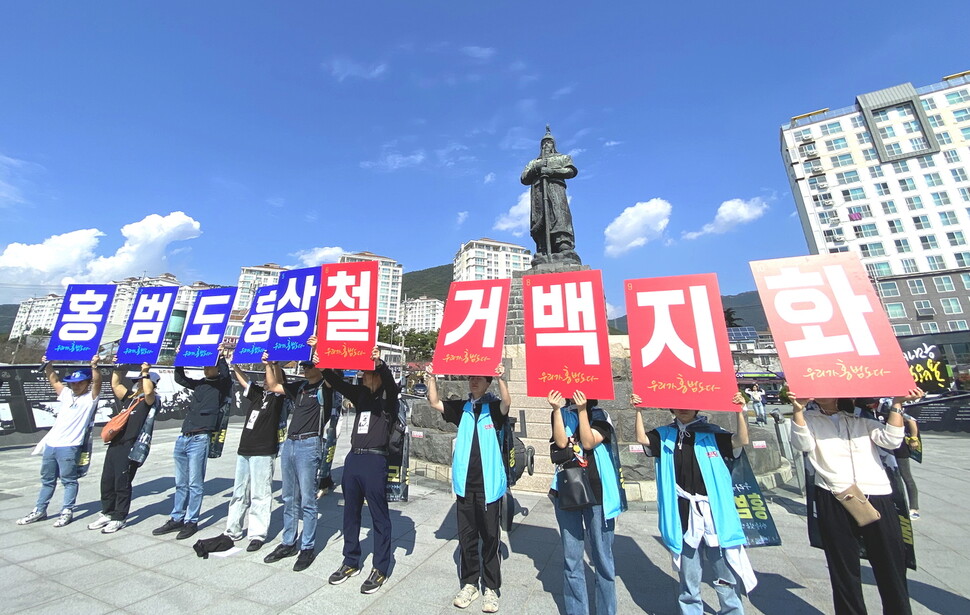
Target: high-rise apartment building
126	290
252	278
388	284
423	314
487	259
36	313
889	178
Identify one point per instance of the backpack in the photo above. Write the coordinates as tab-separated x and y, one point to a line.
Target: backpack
398	430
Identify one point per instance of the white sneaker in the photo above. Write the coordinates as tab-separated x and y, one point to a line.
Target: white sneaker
490	601
65	517
99	523
32	517
113	526
466	596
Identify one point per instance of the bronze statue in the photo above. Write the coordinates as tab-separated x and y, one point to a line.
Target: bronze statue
551	223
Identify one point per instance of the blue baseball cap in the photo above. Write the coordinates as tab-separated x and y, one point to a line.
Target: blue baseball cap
79	376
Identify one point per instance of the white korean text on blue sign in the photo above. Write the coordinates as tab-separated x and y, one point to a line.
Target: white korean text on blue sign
296	311
254	338
205	327
80	324
147	324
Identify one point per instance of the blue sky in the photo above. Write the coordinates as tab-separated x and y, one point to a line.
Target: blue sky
197	137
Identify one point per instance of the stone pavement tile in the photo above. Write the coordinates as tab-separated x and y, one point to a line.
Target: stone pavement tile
32	550
91	576
73	559
18	536
343	598
74	604
191	567
189	598
133	586
25	589
122	542
231	576
285	588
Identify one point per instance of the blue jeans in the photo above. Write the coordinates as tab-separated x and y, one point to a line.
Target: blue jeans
58	462
252	493
727	586
191	455
299	460
600	535
759	411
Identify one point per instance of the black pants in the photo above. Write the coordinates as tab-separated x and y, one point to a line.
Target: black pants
116	479
884	545
479	523
365	477
905	470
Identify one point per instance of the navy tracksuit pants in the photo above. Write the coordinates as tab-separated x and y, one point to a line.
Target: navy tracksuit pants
365	477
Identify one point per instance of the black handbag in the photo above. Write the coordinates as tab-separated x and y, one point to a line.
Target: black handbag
575	492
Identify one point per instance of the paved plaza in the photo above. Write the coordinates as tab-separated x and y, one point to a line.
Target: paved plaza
72	570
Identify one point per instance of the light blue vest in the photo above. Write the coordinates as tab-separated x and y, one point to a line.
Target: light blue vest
614	498
717	479
493	468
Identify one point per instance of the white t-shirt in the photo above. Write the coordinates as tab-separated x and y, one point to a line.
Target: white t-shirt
72	420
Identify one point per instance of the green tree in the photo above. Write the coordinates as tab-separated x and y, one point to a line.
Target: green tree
41	331
731	319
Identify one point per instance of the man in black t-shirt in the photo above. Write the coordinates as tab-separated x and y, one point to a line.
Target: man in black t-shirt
300	460
479	478
259	443
365	468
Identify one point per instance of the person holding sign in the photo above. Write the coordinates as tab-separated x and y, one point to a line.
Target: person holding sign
699	521
300	460
365	468
853	497
584	441
119	470
209	395
478	479
61	447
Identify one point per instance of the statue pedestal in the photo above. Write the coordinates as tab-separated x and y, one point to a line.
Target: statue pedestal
515	323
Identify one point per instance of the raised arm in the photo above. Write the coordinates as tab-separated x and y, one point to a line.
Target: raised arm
52	376
95	377
639	431
587	436
338	384
740	437
503	390
890	435
272	383
117	386
241	376
147	385
558	427
801	436
223	364
387	378
184	381
431	382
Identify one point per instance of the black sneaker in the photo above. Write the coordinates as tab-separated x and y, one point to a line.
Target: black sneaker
254	545
280	552
373	582
343	573
304	560
188	530
170	526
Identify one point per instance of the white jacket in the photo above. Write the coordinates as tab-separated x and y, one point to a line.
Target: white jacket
835	446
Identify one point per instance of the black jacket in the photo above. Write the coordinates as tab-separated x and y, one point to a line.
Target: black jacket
208	396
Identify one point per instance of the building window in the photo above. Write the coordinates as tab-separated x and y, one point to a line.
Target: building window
848	177
956	238
921	222
887	132
832	128
818	182
845	160
875	171
956	325
948	218
803	135
929	242
882	189
895	226
902	246
888	289
912	126
951	155
929	327
924	307
838	249
961	115
904	329
965	195
919	144
863	138
854	194
966	133
894	149
914	202
935	263
965	278
872	249
858	121
926	162
888	207
811	166
928	104
822	199
836	144
936	121
916	287
955	98
907	184
896	310
951	305
944	284
944	138
878	270
865	230
933	179
959	174
909	265
833	235
880	115
858	212
962	258
940	198
901	166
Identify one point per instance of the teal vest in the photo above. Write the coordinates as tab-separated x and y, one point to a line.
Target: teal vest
607	463
717	479
493	467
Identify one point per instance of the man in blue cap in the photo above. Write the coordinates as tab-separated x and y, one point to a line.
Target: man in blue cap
61	447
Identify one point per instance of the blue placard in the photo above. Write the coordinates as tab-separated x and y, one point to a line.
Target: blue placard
254	339
147	324
80	324
296	314
205	328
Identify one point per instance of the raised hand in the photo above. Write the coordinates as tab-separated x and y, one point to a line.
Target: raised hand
913	395
635	400
579	398
500	370
555	400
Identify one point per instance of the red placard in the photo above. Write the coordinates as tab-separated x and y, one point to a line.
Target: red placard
832	335
566	337
347	325
679	351
472	332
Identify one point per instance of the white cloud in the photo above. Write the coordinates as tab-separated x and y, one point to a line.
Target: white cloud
730	215
10	192
516	219
345	68
518	138
576	151
462	216
276	201
563	91
71	257
637	225
489	178
453	154
479	53
318	256
612	143
392	161
613	311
